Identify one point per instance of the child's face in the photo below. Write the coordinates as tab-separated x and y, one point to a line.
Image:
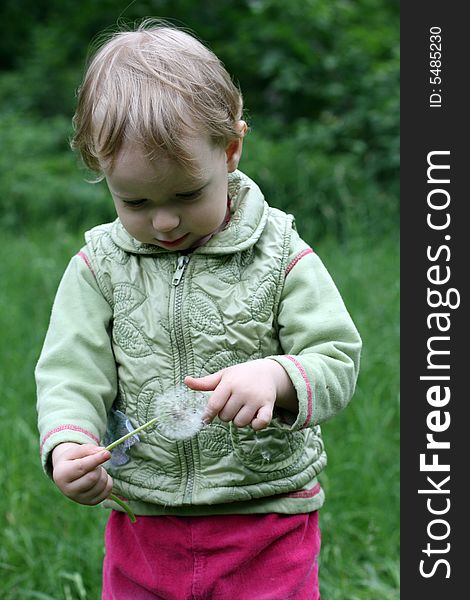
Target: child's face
159	203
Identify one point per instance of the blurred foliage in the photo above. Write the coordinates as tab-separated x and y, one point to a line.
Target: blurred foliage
319	77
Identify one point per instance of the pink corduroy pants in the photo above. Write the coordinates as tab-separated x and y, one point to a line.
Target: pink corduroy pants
227	557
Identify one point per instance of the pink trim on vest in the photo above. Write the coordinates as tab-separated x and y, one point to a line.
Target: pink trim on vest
305	493
308	386
83	256
295	260
67	428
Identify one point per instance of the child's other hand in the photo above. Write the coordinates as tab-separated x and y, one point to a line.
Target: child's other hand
246	393
78	474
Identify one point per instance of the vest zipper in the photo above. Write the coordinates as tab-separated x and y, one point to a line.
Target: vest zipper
178	311
180	268
189	456
179	334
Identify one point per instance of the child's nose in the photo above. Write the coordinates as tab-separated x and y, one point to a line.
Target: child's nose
165	220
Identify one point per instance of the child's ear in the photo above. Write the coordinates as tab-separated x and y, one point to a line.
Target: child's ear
233	151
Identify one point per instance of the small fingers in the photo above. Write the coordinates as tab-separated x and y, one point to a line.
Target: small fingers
79	475
207	383
232	409
244	416
91	489
263	417
216	404
74	463
101	491
83	466
83	450
88	481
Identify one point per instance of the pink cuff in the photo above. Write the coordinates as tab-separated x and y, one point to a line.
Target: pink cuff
67	428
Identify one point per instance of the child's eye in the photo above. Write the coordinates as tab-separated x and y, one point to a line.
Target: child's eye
135	203
190	197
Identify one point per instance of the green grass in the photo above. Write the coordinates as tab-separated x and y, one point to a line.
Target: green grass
360	520
51	549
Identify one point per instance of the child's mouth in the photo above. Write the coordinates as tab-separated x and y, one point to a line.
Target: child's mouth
173	243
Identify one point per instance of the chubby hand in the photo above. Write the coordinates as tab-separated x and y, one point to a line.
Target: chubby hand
78	473
246	393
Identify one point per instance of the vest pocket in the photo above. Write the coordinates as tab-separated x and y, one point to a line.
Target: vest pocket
269	449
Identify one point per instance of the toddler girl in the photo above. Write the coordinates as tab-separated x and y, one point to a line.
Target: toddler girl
197	281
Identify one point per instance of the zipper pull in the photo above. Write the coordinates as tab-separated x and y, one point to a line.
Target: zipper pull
181	266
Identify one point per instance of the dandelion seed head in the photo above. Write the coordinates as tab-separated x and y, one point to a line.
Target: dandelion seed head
266	455
179	412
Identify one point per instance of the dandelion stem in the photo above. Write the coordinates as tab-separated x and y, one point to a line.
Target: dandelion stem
130	434
124	506
113	497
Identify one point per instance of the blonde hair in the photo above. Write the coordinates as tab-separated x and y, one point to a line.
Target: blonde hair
156	85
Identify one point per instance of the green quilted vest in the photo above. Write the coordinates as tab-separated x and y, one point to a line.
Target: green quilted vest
194	314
